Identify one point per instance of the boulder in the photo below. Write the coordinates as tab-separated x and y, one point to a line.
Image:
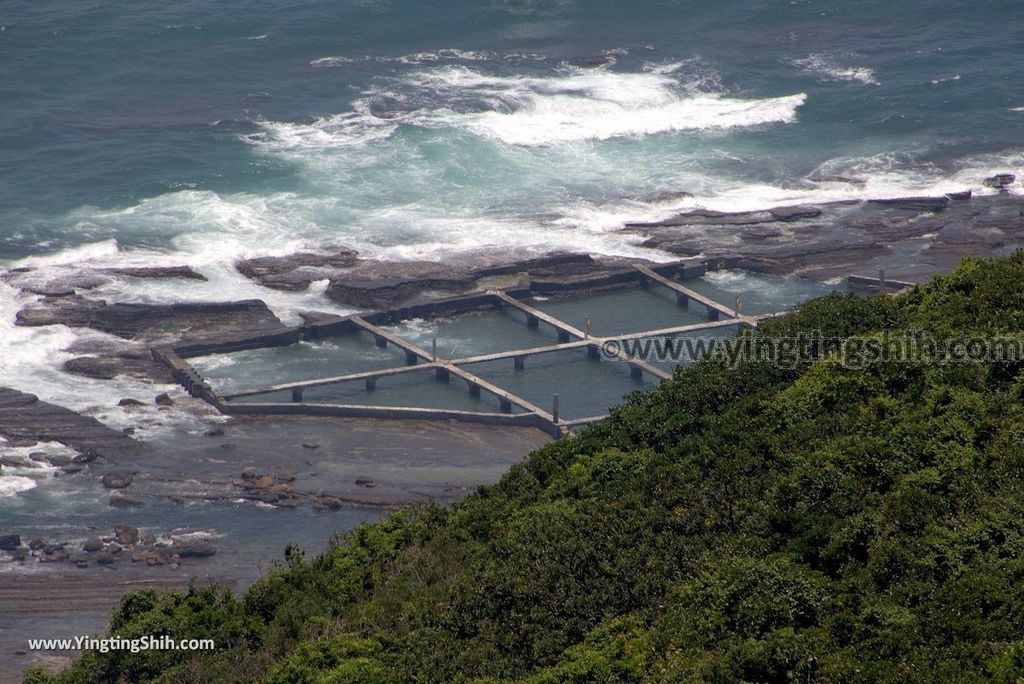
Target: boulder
1000	181
121	501
118	479
215	432
105	559
365	481
9	542
126	534
194	550
130	402
164	399
92	545
36	544
56	555
249	474
85	458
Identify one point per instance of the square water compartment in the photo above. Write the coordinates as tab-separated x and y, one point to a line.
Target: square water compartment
417	389
475	333
585	387
350	353
624	311
758	293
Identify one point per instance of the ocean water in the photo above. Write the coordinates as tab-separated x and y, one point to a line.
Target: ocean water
162	133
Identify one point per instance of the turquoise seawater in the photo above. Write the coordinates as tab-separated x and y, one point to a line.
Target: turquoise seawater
410	129
139	133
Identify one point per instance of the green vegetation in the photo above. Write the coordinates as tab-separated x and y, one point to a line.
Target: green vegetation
747	524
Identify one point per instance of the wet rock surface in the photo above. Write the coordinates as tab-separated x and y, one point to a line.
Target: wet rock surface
295	271
24	416
152	322
110	366
380	285
125	545
157	272
910	237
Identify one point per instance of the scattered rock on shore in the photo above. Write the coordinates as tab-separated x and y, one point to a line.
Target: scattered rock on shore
121	501
934	204
194	550
118	480
126	534
1000	181
109	367
9	542
185	272
24	416
295	271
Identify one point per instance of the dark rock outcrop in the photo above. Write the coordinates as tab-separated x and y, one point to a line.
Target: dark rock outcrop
118	480
67	286
961	195
1000	181
910	237
9	542
185	272
915	203
379	285
126	534
121	501
295	271
152	321
108	367
25	416
795	213
194	550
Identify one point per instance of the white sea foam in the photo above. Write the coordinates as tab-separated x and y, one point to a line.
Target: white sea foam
828	68
11	485
456	161
578	105
558	119
429	56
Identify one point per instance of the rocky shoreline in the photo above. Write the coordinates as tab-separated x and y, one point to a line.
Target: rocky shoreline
324	466
908	237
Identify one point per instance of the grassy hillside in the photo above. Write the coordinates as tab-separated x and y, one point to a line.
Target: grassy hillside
819	523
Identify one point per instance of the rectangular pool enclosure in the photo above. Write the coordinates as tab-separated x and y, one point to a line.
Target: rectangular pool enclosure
529	355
